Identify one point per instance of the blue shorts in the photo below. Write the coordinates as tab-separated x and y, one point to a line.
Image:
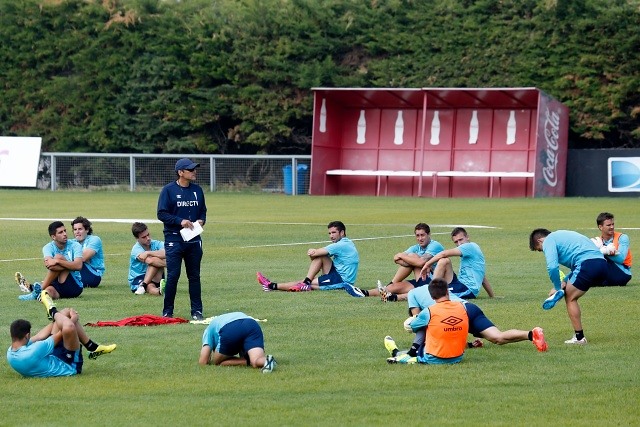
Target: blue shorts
419	281
615	276
330	281
592	272
137	282
478	322
67	289
89	278
61	353
460	289
240	336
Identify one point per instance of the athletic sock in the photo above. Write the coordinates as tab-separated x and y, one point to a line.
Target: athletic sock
365	292
413	351
52	312
144	285
90	345
530	336
273	286
307	281
579	335
392	297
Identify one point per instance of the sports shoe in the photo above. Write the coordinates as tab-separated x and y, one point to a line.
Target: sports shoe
102	349
550	302
48	303
537	337
33	295
573	340
381	289
140	290
269	365
263	281
301	287
22	283
163	286
477	343
354	291
197	316
404	359
391	346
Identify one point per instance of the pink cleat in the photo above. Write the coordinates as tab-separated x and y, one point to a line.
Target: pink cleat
301	287
263	281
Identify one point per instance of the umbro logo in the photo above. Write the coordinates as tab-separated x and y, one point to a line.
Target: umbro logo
179	196
452	320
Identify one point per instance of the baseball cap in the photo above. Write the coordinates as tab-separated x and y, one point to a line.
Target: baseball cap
185	163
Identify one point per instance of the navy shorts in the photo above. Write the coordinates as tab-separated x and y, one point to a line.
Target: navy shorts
615	276
592	272
240	336
89	278
460	289
478	322
67	289
331	280
419	281
61	353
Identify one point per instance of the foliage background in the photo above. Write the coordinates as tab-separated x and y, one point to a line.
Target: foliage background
234	76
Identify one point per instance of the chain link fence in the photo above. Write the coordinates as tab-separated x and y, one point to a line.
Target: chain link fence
142	172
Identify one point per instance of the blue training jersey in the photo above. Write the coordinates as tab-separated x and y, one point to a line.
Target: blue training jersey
345	259
71	251
178	203
567	248
211	335
137	267
36	359
472	267
96	263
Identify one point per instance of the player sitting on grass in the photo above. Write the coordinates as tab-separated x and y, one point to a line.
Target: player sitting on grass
146	263
479	326
54	351
235	339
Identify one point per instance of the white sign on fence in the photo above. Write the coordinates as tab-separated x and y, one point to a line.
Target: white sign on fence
19	159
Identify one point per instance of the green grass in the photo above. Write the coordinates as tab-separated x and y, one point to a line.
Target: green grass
331	361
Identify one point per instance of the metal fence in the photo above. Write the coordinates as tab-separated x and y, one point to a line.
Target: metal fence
141	172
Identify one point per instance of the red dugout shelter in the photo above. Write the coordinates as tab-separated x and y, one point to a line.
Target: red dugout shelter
504	142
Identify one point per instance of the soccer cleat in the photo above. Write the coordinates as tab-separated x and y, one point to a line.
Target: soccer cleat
269	365
354	291
140	290
22	283
477	343
550	302
163	286
391	346
574	340
300	287
47	301
537	337
381	289
264	282
404	359
102	349
33	295
197	316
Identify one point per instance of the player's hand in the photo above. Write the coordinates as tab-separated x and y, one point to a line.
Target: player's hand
426	270
407	324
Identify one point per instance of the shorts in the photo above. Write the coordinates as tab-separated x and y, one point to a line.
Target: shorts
615	276
68	289
419	282
89	278
330	281
61	353
592	272
137	282
478	322
460	289
240	336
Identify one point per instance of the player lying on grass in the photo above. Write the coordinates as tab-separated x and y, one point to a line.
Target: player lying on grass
479	326
337	264
54	351
235	339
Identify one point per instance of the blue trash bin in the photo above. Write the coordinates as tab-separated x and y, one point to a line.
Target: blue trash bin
288	179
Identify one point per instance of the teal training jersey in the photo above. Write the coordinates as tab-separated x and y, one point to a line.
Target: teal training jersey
345	259
137	267
71	251
96	263
37	360
472	267
568	248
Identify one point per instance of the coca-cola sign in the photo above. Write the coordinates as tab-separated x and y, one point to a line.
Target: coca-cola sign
551	137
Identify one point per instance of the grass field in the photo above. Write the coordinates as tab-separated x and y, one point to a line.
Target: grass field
331	361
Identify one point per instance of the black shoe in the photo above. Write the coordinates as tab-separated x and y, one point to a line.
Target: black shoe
197	316
167	315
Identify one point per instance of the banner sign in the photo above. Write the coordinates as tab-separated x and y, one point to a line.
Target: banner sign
19	160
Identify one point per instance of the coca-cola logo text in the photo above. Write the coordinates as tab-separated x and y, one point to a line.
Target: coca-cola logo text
551	136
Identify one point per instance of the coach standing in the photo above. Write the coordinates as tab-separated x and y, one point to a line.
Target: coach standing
180	205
